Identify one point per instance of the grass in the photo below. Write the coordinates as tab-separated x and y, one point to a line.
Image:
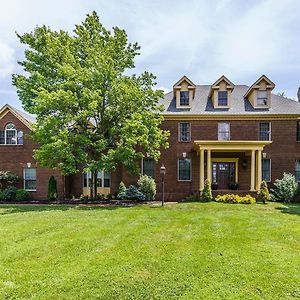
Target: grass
180	251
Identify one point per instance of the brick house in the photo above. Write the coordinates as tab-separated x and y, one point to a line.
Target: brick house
234	135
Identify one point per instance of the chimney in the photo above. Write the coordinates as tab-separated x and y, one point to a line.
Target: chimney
298	94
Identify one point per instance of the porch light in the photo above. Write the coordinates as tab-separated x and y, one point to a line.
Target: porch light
28	165
264	155
184	154
163	173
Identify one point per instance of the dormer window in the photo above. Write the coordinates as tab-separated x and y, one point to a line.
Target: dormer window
184	98
262	98
10	136
222	98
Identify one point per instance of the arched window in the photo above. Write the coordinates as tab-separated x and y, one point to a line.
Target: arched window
11	136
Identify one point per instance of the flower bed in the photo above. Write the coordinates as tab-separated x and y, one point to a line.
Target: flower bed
232	198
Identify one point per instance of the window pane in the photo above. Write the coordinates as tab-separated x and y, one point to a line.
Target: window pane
222	98
2	137
266	170
99	179
297	170
223	131
184	132
10	126
20	137
11	137
30	179
264	131
149	167
184	98
106	179
262	97
184	172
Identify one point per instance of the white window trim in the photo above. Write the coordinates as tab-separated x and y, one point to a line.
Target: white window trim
16	136
180	180
270	127
228	131
295	168
29	190
270	170
179	135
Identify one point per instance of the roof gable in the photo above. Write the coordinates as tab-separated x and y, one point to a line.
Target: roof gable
184	78
270	83
223	78
27	120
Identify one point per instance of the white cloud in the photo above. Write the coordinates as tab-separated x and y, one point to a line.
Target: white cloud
7	60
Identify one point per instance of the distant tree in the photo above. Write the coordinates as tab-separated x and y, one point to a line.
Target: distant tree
89	111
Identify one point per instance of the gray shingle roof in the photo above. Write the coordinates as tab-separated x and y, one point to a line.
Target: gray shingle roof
203	105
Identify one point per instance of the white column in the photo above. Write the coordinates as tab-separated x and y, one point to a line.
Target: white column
201	170
252	188
259	169
209	165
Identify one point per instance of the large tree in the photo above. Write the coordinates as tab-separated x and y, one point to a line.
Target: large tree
89	110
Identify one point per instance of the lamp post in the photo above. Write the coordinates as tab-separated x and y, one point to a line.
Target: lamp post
163	173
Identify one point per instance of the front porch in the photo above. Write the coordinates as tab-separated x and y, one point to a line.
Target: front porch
220	163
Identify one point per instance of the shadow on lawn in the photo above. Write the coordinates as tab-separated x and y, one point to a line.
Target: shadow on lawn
12	209
290	208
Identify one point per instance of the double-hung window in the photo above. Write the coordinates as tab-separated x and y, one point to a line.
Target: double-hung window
184	132
184	98
266	169
297	170
184	169
262	98
30	179
222	98
148	167
224	131
265	131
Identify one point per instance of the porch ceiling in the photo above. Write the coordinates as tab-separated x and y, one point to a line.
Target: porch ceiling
230	145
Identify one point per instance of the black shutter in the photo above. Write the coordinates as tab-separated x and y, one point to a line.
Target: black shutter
298	131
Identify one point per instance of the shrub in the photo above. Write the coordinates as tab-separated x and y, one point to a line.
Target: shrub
8	178
132	193
285	189
121	191
84	198
147	186
52	188
192	198
8	194
232	198
206	193
21	195
100	197
263	194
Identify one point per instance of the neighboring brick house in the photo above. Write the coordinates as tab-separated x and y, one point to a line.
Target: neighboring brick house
224	132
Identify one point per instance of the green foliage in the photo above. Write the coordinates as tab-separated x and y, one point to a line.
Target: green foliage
52	188
132	193
147	186
285	189
232	198
89	110
121	191
21	195
206	194
263	194
8	178
8	194
84	198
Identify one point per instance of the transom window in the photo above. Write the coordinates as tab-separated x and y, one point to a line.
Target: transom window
184	132
103	179
222	98
29	179
224	131
184	169
266	169
297	169
10	135
262	98
148	167
265	131
184	98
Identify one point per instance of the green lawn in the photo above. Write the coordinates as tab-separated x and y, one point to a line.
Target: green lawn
180	251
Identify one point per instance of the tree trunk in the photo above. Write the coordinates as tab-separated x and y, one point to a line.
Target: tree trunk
95	184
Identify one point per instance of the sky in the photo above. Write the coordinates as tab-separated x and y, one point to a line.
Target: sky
203	39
